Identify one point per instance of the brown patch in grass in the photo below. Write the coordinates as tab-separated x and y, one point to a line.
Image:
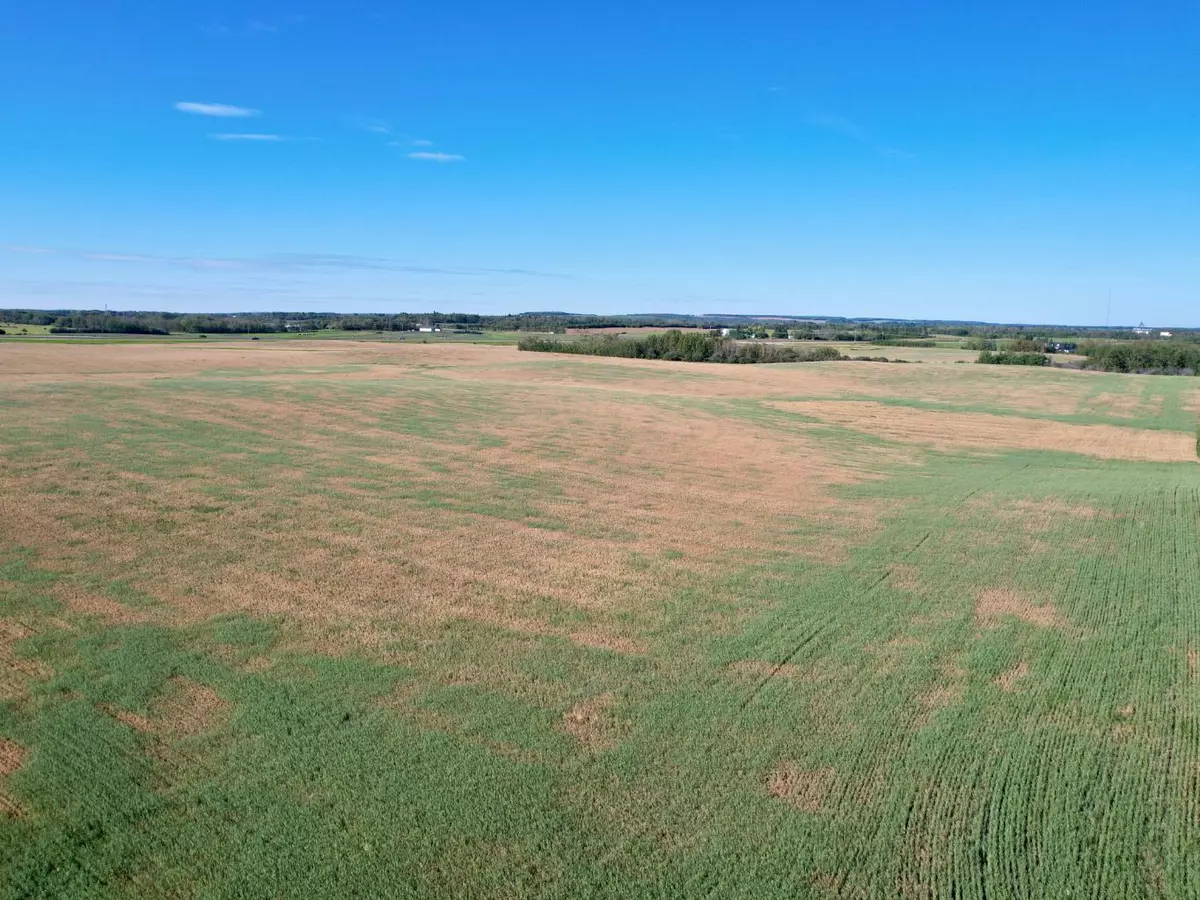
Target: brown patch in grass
591	723
1122	732
985	432
806	790
12	756
136	721
190	709
950	691
87	603
17	671
1193	658
905	577
1010	681
1037	516
993	605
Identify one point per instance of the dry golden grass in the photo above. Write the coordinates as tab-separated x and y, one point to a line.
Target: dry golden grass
190	709
985	432
591	723
950	689
806	790
16	671
632	491
12	757
994	605
1011	680
678	489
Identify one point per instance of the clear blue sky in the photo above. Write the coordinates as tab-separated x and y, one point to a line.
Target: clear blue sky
1000	161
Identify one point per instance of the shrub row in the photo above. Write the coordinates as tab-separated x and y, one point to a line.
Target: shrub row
1164	357
685	346
1004	358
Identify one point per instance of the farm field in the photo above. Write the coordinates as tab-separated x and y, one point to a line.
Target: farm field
363	618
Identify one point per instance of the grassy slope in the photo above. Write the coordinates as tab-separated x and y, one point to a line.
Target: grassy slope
914	768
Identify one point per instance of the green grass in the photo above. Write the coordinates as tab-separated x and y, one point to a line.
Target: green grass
434	762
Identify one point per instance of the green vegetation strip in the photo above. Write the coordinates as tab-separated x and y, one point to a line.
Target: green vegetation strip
690	346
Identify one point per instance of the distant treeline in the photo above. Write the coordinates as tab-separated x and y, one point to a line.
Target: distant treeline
689	346
977	336
1149	357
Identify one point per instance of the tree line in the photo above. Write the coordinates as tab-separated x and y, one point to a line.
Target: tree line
687	346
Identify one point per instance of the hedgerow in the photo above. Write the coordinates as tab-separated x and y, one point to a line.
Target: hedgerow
682	346
1004	358
1148	357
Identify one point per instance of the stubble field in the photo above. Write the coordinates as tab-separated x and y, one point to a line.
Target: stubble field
360	619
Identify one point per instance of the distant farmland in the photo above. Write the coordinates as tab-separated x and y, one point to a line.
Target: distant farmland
345	618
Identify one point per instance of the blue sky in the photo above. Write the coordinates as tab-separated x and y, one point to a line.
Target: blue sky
1006	162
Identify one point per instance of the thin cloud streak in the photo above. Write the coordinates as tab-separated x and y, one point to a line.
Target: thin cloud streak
217	110
262	138
117	257
437	157
293	262
10	248
848	128
837	125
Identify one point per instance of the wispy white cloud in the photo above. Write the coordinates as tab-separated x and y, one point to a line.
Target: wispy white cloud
837	125
237	136
437	157
118	257
254	26
422	143
283	263
848	128
217	110
18	249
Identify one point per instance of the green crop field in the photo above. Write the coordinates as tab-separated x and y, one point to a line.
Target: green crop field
302	617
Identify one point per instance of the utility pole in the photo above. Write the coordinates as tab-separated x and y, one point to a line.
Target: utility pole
1108	311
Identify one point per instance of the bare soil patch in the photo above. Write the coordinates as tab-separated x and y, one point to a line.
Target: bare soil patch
84	602
16	671
806	790
993	605
591	723
12	756
190	709
949	690
1010	681
985	432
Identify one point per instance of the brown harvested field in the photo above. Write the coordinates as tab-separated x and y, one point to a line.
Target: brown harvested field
479	622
